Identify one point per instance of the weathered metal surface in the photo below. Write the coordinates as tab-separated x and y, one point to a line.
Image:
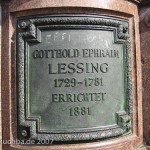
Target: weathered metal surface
74	78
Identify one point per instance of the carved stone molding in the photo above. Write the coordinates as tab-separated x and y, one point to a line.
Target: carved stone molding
135	1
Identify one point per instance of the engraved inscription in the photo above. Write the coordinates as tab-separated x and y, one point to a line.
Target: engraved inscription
76	111
72	72
74	78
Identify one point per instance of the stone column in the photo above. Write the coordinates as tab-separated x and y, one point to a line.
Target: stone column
144	11
77	116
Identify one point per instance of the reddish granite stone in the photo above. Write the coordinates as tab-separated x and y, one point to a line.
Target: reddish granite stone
16	8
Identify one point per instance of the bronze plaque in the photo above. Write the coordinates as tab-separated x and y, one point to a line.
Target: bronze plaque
74	78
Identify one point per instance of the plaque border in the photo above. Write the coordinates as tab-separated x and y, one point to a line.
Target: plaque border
28	30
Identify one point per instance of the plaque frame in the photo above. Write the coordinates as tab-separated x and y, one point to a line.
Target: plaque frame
28	30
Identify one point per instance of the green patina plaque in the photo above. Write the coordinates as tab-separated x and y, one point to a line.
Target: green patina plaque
74	78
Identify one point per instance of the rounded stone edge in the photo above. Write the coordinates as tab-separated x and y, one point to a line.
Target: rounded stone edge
135	1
